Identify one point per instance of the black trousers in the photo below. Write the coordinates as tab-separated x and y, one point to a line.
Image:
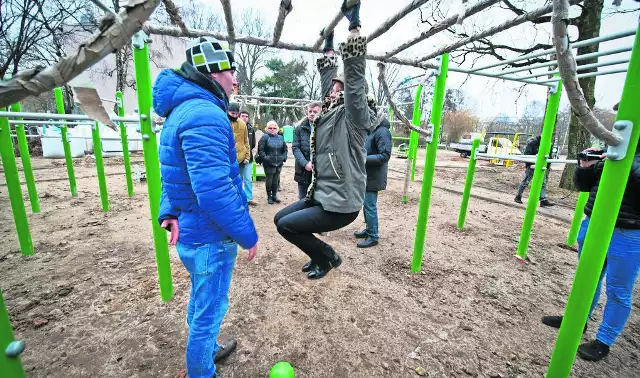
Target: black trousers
299	222
272	177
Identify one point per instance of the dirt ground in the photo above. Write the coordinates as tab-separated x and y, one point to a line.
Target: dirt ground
87	302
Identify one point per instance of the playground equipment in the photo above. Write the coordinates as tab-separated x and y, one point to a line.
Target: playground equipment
607	202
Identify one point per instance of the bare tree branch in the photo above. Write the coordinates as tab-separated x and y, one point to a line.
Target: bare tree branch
568	73
285	8
172	10
385	26
113	33
398	113
226	7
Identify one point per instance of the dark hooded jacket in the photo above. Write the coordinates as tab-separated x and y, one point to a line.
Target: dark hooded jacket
378	145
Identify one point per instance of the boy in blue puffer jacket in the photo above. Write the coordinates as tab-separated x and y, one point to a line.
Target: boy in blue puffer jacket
202	191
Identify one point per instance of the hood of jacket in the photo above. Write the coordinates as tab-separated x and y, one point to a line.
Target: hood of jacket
173	87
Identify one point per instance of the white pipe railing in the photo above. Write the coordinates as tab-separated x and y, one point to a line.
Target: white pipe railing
71	117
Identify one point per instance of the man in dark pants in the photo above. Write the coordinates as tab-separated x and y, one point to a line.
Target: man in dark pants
302	150
248	182
378	147
533	145
338	156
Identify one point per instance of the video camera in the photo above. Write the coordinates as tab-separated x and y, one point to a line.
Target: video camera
588	155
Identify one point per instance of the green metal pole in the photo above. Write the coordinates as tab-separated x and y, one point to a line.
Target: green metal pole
391	115
430	165
9	362
66	145
97	152
253	171
539	171
125	145
13	187
23	146
603	219
578	214
151	163
468	184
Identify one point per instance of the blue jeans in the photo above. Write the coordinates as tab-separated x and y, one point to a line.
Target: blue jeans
526	180
246	172
621	268
210	267
302	190
370	207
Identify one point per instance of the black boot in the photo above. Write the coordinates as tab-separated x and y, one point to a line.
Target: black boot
318	271
593	351
308	266
270	199
368	242
518	199
546	203
360	234
556	322
225	349
275	198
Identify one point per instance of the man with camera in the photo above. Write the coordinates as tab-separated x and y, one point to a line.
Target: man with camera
623	256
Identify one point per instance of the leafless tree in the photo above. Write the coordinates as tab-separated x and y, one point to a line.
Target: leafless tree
251	58
311	80
392	71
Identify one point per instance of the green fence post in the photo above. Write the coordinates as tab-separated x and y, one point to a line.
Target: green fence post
151	162
468	184
391	115
540	170
97	152
125	145
253	171
602	222
65	144
9	362
415	137
430	164
578	214
23	146
13	187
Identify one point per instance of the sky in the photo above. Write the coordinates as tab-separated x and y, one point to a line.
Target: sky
488	97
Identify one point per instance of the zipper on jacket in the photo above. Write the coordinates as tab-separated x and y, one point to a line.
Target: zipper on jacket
333	166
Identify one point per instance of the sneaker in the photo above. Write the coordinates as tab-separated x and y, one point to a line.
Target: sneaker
518	199
225	349
546	203
368	242
360	234
270	201
593	351
556	322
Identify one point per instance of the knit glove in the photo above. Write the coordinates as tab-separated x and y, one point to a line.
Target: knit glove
328	41
352	14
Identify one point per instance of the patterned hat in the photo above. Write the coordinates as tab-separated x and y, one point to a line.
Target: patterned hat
208	55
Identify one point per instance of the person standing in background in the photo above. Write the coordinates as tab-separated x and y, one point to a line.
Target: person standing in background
272	151
248	178
243	149
302	150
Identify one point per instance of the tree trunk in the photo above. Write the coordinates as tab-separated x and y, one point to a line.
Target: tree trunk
579	138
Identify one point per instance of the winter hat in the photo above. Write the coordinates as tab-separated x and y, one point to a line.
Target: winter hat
208	55
234	107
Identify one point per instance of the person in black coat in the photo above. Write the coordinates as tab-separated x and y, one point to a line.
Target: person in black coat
532	147
302	150
272	151
622	264
378	145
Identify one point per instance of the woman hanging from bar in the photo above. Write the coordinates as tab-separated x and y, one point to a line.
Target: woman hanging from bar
338	156
622	264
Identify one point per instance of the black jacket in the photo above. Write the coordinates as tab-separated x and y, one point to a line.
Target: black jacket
587	180
302	151
378	145
252	139
272	151
532	147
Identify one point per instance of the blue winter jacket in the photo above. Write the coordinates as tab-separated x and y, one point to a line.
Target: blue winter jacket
201	186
